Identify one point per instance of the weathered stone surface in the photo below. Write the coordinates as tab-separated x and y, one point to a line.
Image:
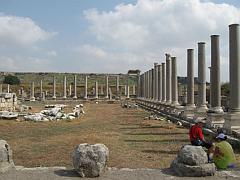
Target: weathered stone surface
6	162
90	160
192	161
192	155
181	169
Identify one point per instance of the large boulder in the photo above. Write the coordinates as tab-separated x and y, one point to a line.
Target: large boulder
90	160
192	161
6	162
192	155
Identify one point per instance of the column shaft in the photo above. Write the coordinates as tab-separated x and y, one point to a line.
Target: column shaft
159	82
168	80
174	82
163	83
190	78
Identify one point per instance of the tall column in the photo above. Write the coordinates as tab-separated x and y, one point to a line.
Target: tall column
190	78
65	87
163	83
102	89
156	81
8	88
96	90
134	90
139	85
128	95
151	84
233	118
174	82
117	85
41	88
168	80
160	83
54	87
86	87
201	105
215	92
106	81
32	98
70	90
75	87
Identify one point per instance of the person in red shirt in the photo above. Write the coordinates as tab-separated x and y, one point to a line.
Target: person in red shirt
196	135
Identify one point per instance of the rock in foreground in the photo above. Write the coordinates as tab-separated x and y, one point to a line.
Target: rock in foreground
90	160
6	162
192	161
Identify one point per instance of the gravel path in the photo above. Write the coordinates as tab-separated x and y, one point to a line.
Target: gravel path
61	173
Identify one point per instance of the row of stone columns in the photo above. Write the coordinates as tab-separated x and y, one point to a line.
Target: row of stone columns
32	97
165	85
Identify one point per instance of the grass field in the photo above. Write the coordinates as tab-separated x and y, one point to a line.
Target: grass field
133	141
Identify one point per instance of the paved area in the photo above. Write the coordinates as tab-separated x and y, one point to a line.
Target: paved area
61	173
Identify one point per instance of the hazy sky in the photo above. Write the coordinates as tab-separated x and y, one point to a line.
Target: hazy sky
110	36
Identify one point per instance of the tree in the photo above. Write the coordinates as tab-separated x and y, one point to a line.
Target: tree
12	80
225	89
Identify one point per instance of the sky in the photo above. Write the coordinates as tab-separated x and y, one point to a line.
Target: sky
110	36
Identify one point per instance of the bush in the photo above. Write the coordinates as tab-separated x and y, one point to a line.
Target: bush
12	80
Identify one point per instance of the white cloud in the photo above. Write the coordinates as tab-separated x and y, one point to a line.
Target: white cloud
150	28
52	53
21	31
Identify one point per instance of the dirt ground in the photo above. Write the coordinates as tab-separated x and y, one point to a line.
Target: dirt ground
133	141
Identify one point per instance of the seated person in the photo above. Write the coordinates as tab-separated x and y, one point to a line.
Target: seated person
223	156
196	135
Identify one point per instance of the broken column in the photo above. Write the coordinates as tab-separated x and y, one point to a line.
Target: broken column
41	88
65	87
102	89
134	90
75	87
96	90
32	98
201	105
86	87
106	81
54	87
189	109
174	83
159	83
8	88
168	80
117	86
1	89
163	83
128	95
232	120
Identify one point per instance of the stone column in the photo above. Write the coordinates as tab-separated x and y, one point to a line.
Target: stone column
96	90
128	95
134	90
190	78
65	87
174	83
8	88
54	88
201	105
156	81
1	89
168	80
86	87
139	85
43	96
232	120
215	92
32	98
70	90
106	81
102	89
163	83
117	86
151	84
75	87
41	88
160	83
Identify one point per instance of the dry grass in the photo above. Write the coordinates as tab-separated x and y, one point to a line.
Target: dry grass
133	142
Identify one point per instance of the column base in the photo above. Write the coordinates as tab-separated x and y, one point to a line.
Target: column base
54	97
32	99
188	111
216	110
75	97
232	122
215	120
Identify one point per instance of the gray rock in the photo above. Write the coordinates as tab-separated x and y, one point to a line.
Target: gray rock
90	160
192	155
6	162
200	170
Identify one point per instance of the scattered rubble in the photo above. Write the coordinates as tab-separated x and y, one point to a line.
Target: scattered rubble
129	105
55	113
8	115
